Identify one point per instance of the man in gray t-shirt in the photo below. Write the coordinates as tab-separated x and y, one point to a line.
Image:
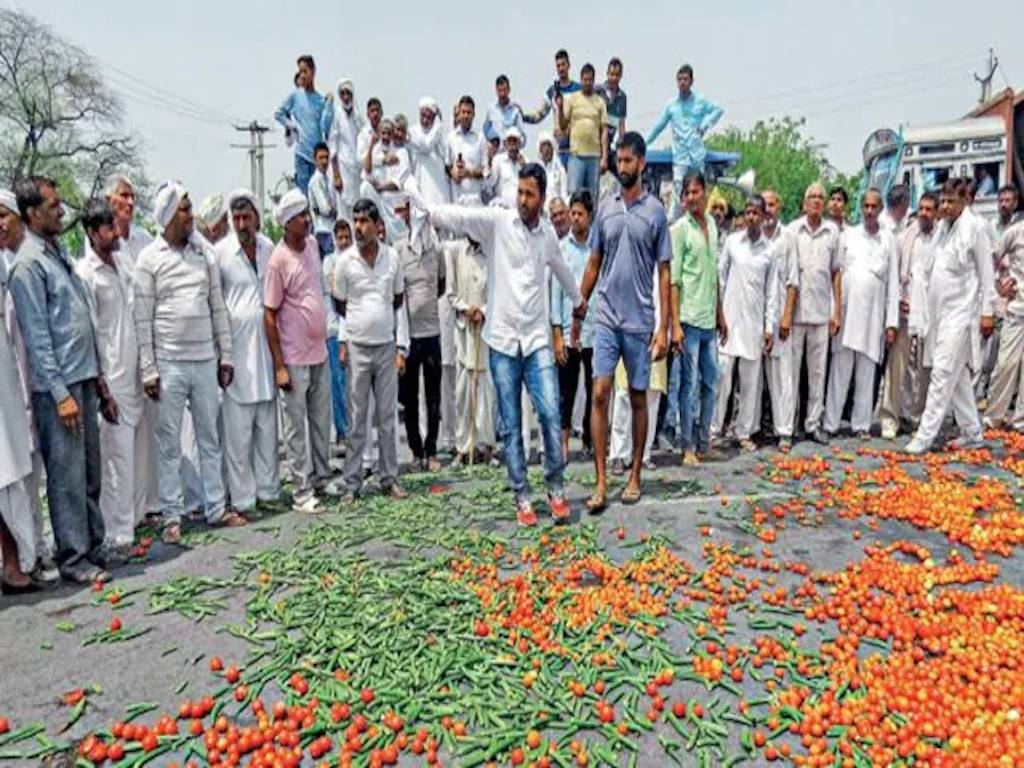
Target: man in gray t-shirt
615	98
630	242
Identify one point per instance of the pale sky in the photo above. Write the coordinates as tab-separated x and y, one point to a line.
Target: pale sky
187	70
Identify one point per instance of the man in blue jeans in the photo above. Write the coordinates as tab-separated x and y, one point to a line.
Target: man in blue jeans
301	113
520	246
630	244
697	311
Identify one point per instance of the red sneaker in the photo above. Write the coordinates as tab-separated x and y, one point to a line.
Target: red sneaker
560	509
525	514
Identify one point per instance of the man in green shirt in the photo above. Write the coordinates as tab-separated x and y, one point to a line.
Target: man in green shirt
696	313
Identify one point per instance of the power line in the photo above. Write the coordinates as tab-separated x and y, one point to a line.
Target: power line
888	97
170	96
140	96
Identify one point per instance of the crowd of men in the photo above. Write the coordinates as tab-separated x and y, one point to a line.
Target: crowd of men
439	276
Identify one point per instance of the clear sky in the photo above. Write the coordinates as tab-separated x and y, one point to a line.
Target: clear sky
187	70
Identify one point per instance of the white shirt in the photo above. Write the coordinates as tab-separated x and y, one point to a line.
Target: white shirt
870	289
503	178
321	203
242	285
817	255
132	246
750	297
558	180
472	146
920	247
517	316
369	294
429	155
395	173
890	225
111	304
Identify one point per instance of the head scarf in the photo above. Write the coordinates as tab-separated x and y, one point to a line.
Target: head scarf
165	204
212	210
244	194
546	137
428	102
291	204
9	201
347	83
513	130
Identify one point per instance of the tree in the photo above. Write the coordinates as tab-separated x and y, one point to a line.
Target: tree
783	158
57	115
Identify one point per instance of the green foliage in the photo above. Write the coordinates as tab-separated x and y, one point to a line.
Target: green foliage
783	158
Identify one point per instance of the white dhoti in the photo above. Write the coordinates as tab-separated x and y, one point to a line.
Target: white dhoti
125	493
621	447
482	413
847	363
780	387
747	397
250	452
951	388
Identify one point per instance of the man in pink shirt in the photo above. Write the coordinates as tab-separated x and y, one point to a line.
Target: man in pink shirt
296	325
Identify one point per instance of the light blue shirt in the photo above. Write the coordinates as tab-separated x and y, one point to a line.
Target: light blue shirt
691	118
498	118
576	255
303	110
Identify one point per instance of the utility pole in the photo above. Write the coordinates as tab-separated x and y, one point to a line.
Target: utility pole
986	80
256	147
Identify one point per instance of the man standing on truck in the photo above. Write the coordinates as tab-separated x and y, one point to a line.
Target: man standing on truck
692	115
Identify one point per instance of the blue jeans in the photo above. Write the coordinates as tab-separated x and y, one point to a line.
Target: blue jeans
584	172
538	372
670	422
339	385
73	475
700	367
194	382
303	173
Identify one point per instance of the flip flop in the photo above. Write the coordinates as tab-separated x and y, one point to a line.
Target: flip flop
631	495
597	503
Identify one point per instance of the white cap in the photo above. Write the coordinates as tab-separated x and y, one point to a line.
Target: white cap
291	204
165	204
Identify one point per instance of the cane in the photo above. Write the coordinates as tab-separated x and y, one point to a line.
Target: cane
472	395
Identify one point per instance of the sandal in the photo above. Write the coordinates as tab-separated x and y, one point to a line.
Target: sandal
597	503
171	534
631	495
231	520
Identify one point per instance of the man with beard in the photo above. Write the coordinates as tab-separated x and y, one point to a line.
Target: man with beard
341	125
521	246
428	153
249	407
630	246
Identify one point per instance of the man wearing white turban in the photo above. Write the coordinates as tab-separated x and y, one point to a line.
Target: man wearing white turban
21	530
212	218
558	181
249	405
185	351
502	178
295	319
385	170
427	150
341	125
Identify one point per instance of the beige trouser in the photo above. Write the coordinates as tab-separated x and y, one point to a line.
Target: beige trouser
307	428
815	339
893	403
1008	376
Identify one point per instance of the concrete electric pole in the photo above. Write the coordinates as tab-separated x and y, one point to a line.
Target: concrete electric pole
256	147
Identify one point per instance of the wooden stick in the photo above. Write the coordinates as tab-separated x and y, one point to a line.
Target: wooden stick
472	396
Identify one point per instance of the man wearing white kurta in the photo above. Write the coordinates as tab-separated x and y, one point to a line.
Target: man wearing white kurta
124	449
24	509
746	269
870	293
121	196
16	513
1008	376
249	406
558	179
341	124
502	179
961	304
816	245
466	288
780	357
429	154
467	155
917	258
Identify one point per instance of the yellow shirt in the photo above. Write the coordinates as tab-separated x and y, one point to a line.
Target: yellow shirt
588	123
